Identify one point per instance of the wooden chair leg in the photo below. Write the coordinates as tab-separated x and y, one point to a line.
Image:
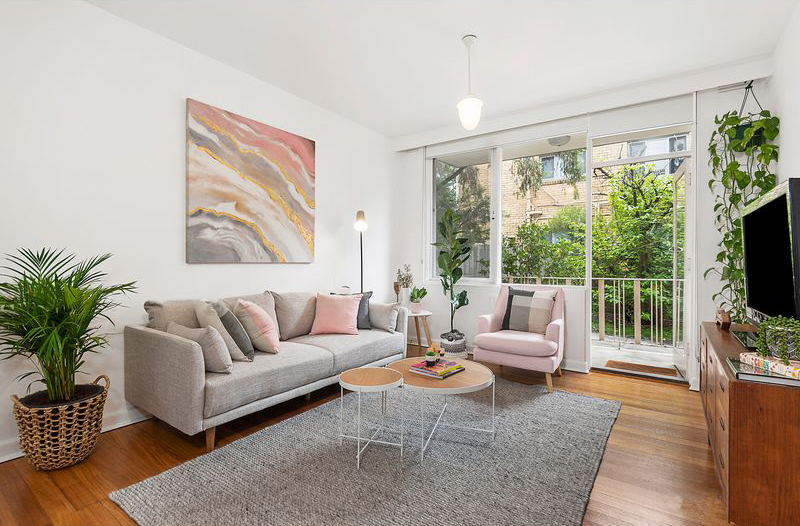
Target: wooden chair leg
549	378
211	433
558	371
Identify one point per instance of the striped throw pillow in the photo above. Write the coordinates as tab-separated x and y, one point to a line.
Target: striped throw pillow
528	310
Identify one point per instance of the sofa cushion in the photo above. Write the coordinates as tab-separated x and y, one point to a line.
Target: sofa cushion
160	313
266	375
234	327
261	328
295	313
336	314
215	353
516	342
263	300
528	310
384	315
363	308
356	350
208	317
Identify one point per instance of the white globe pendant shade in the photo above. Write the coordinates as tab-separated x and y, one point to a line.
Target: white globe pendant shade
469	111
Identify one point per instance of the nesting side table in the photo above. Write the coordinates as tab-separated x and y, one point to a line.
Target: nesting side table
370	380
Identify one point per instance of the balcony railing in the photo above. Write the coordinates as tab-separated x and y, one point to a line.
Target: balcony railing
647	311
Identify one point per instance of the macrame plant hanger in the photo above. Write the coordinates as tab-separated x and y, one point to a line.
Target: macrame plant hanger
748	90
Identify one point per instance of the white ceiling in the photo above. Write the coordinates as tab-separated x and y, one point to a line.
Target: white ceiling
398	66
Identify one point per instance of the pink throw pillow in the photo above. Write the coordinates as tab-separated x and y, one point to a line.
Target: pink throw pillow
336	314
258	325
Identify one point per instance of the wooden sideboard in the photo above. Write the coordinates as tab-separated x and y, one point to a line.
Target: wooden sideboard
754	433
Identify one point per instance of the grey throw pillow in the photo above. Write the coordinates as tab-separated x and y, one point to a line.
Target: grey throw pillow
528	310
234	328
384	315
215	354
295	311
362	320
160	313
208	317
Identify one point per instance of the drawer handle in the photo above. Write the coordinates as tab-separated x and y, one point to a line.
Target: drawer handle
721	462
722	423
721	387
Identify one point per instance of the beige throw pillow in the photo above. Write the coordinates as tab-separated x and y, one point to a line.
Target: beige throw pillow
215	353
208	317
384	315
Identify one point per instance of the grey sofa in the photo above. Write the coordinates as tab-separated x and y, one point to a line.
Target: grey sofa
165	374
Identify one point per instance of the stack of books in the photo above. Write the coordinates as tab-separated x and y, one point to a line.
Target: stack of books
442	369
751	366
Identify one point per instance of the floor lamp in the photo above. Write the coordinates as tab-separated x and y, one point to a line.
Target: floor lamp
361	225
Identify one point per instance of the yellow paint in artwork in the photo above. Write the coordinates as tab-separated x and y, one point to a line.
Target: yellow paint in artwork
308	200
252	225
272	195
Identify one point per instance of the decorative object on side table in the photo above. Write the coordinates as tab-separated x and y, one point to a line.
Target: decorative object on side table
416	298
454	251
46	312
723	319
396	287
405	279
779	337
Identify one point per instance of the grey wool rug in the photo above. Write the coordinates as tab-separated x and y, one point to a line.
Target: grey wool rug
539	469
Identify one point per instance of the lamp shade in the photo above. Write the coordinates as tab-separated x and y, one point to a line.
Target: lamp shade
361	221
469	111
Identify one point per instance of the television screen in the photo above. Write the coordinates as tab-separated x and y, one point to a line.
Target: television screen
768	268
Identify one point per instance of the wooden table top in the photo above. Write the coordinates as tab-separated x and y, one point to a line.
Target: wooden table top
370	377
475	376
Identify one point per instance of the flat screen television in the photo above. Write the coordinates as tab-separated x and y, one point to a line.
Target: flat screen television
771	243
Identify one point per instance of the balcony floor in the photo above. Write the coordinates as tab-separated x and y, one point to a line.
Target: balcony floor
636	358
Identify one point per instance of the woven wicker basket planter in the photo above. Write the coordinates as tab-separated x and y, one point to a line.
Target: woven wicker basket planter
61	435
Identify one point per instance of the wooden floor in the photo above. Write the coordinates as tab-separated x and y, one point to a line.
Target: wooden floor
657	469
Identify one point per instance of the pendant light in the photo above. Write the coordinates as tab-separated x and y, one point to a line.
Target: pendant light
469	109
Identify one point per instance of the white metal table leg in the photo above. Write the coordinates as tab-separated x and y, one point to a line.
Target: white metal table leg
422	427
341	414
493	427
358	455
402	418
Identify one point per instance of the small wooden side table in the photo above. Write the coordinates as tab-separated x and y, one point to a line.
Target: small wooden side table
423	314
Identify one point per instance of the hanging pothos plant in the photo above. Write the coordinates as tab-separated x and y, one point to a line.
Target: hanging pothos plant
741	150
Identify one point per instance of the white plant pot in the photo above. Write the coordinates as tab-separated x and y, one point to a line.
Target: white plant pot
405	296
415	306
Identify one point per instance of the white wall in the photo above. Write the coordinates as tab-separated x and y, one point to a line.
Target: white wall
785	95
409	246
93	160
711	103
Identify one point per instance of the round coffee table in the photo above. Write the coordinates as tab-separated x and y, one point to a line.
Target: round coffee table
369	380
474	377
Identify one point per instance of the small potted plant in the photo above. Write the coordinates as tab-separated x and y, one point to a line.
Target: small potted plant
405	279
431	357
416	298
49	309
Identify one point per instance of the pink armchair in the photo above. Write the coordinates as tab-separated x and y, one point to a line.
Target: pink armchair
526	350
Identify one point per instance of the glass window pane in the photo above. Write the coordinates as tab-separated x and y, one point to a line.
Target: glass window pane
464	185
544	215
639	148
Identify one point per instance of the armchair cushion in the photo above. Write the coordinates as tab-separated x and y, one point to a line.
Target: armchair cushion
517	342
528	310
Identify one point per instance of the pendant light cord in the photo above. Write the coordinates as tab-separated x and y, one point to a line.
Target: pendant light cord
469	69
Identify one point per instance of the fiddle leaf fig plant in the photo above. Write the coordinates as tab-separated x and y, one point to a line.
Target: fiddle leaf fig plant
741	151
454	250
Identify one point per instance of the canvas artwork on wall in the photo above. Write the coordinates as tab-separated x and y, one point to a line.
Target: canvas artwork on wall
250	190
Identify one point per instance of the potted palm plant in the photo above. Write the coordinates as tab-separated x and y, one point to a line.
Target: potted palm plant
454	251
48	305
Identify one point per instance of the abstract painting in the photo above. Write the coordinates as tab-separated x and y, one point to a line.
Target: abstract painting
249	190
